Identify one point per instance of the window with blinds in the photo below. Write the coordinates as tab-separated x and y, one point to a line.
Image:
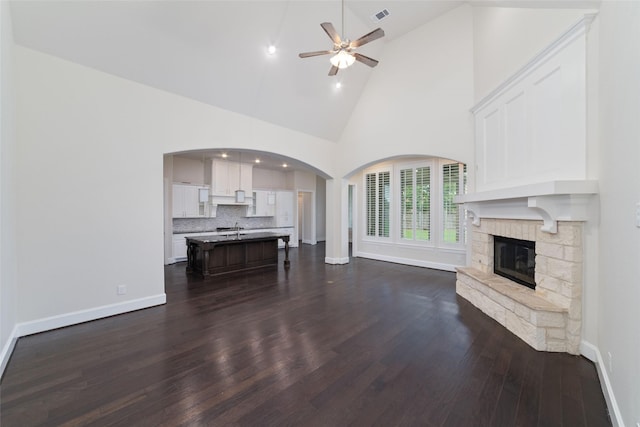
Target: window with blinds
378	201
415	203
453	183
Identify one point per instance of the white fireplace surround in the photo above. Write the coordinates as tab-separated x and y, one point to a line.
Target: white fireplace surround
552	214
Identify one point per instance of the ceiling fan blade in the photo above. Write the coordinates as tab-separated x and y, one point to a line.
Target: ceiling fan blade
365	60
333	71
316	53
373	35
331	32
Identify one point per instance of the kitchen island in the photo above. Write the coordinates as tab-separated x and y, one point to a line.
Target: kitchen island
219	254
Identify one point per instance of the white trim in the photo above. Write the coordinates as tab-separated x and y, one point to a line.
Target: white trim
547	188
550	201
81	316
406	261
589	351
8	349
571	34
335	261
592	353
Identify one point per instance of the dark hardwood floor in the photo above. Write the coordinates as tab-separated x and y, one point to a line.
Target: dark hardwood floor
368	343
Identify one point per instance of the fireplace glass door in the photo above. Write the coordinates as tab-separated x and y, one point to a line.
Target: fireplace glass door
515	259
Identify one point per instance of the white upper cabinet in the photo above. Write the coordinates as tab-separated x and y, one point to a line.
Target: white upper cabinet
187	201
264	203
227	177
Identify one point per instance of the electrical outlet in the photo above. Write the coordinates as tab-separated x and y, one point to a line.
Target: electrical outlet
610	362
122	289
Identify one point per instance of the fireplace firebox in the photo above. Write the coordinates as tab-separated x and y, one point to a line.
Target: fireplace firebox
515	259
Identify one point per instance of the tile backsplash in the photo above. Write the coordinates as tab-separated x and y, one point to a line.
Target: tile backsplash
226	216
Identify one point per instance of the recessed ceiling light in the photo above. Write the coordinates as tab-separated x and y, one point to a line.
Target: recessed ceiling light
271	49
284	165
257	160
224	155
338	85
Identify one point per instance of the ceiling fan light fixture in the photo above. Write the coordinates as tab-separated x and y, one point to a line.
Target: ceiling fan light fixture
342	60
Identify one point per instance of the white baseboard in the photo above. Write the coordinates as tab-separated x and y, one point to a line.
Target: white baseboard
329	260
408	261
8	349
592	353
73	318
68	319
309	242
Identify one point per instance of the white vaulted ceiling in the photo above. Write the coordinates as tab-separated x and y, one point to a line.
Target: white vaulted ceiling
216	51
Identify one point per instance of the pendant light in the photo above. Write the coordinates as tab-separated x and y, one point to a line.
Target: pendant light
240	192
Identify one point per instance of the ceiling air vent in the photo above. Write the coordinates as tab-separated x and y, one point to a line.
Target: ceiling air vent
377	17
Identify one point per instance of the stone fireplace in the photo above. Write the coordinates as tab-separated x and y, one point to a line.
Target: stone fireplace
552	215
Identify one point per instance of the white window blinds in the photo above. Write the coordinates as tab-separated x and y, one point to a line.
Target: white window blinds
415	203
370	183
384	203
378	203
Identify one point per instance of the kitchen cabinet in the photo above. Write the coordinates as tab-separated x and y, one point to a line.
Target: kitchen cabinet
179	246
264	203
285	213
227	177
189	201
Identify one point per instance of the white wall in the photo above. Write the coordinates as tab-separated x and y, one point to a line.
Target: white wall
619	122
96	208
8	144
529	31
304	181
426	112
269	179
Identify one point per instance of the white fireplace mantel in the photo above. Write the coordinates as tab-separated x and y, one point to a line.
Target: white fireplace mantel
550	201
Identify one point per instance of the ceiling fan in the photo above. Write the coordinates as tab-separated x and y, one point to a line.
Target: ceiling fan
343	50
